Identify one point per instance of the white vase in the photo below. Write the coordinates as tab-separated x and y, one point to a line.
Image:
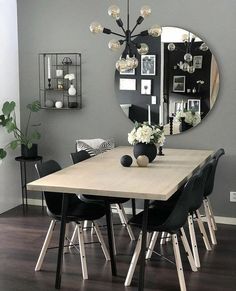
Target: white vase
72	90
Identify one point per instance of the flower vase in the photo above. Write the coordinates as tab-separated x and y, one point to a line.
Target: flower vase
72	90
149	150
184	125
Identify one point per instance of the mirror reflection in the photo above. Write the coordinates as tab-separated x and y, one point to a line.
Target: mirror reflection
175	85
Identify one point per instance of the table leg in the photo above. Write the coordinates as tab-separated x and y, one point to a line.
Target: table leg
110	238
61	241
133	207
143	246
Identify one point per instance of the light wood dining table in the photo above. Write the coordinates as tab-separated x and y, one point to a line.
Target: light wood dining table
103	175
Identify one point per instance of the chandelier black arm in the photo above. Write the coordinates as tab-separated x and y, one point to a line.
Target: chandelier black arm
108	31
142	33
120	24
138	22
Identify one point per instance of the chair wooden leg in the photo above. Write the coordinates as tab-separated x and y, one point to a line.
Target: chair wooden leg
178	261
45	245
188	250
101	240
163	238
118	209
152	245
82	252
211	214
193	241
134	261
209	222
74	236
203	231
125	219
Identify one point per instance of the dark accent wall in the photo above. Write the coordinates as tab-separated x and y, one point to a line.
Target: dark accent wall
138	111
171	69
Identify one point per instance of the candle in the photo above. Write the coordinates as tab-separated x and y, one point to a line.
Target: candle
49	68
149	114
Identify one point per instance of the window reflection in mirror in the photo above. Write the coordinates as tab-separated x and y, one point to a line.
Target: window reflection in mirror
177	82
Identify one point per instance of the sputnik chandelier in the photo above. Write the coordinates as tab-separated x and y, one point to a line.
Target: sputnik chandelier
128	60
187	65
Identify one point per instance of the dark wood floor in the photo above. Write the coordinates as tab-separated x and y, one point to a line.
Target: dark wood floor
21	239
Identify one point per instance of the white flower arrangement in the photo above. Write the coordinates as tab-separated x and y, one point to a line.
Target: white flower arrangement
70	76
146	133
191	117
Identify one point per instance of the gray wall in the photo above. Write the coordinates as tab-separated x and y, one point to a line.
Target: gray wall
60	25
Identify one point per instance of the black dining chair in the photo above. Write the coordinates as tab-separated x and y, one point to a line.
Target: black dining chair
171	221
84	155
207	192
195	203
78	211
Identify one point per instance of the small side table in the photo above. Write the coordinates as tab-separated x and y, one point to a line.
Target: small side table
23	161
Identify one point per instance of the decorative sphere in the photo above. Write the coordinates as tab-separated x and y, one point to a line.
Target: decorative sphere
144	49
114	45
126	161
96	27
185	67
191	69
188	57
145	11
204	47
58	104
142	161
114	11
155	31
49	103
171	47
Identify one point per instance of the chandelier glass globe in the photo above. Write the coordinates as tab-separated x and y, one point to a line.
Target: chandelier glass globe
155	31
114	45
114	11
204	47
171	47
145	11
96	27
188	57
185	67
191	69
121	65
144	49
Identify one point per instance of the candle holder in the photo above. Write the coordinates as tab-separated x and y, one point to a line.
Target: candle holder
49	83
160	153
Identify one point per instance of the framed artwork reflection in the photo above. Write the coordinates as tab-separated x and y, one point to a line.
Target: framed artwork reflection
197	62
179	84
127	84
148	65
146	87
194	105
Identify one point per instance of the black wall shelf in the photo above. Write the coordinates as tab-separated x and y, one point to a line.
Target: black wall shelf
56	89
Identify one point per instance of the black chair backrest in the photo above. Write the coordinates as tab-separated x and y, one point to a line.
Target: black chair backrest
197	194
179	214
53	200
79	156
211	179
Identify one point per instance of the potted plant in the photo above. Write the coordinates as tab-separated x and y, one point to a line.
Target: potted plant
24	138
144	138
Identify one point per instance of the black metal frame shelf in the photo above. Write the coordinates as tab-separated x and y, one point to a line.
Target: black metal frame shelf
49	88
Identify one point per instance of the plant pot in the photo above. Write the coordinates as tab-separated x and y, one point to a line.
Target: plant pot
184	125
149	150
29	153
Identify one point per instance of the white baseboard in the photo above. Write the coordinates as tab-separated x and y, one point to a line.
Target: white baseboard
128	210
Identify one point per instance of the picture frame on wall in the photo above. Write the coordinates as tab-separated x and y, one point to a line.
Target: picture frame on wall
146	87
194	105
128	72
179	106
127	84
179	84
148	65
197	62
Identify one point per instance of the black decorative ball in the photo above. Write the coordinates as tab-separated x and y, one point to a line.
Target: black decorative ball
126	161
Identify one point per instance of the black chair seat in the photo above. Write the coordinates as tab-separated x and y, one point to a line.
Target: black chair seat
156	219
80	211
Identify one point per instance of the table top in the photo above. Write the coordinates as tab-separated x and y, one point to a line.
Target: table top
103	175
23	159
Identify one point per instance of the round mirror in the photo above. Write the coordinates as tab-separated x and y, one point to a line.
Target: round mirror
175	84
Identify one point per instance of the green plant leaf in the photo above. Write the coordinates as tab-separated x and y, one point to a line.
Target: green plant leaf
34	106
10	126
35	135
8	107
29	145
14	144
3	154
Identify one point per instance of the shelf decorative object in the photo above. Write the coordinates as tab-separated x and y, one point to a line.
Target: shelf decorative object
60	80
